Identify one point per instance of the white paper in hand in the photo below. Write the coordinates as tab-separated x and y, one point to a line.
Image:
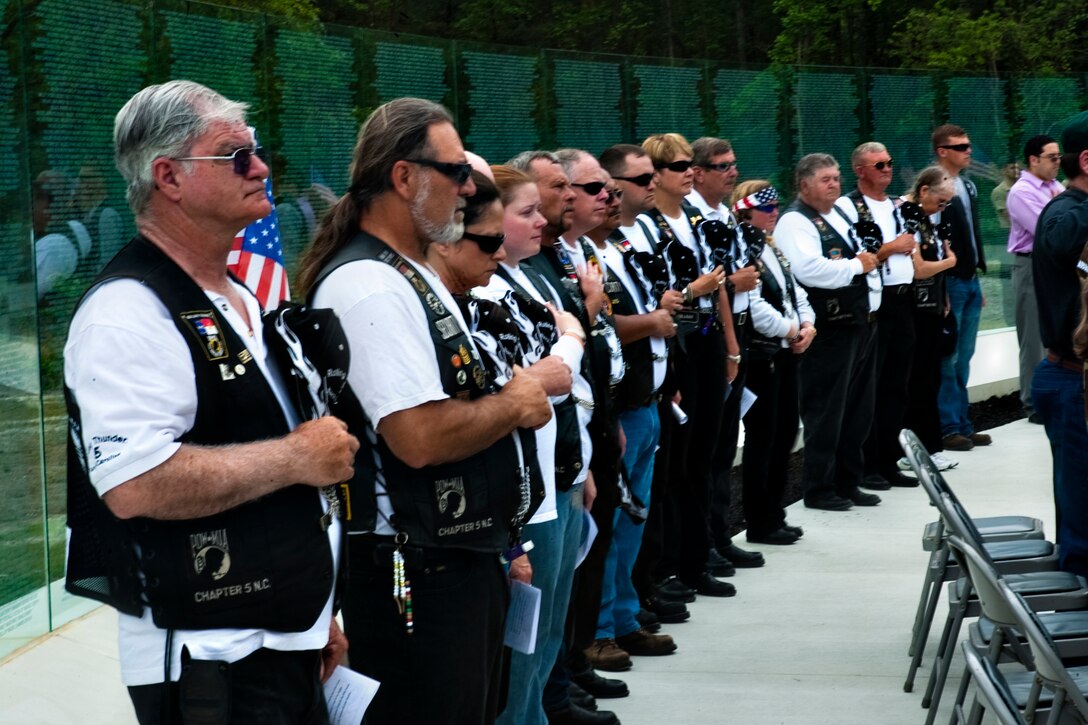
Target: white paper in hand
747	397
348	695
523	618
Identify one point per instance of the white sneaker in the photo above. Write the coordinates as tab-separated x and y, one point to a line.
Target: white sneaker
943	462
904	464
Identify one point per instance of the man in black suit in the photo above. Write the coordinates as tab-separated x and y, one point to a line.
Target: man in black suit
952	148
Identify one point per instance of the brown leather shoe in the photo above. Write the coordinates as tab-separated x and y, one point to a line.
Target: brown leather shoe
643	644
956	442
981	439
605	654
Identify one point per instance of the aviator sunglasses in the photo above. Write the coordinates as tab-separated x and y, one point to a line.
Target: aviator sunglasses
488	243
881	165
241	158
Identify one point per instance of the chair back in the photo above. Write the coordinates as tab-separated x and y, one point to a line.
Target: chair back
992	688
983	576
1048	663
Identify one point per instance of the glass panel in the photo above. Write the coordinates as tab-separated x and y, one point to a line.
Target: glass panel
501	104
747	106
825	118
588	111
668	101
978	105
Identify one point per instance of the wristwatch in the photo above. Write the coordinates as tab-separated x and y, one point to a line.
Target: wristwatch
733	358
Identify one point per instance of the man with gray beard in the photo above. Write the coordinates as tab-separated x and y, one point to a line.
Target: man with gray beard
441	478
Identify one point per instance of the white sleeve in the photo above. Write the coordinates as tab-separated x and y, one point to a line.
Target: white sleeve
393	364
131	374
846	204
798	239
804	309
765	318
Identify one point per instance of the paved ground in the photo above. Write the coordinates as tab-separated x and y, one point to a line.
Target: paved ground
817	636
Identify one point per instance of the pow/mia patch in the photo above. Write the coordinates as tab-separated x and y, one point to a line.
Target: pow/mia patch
450	495
833	307
211	554
205	325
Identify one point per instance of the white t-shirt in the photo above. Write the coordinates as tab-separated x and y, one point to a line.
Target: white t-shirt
133	378
797	237
766	319
393	363
898	268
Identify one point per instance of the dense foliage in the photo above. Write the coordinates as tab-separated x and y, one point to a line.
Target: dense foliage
958	35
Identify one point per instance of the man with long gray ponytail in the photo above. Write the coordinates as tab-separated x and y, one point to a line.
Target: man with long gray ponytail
440	482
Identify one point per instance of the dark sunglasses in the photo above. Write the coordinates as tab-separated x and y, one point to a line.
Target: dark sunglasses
881	165
615	194
458	173
766	208
241	158
677	166
961	147
488	243
640	180
592	188
723	166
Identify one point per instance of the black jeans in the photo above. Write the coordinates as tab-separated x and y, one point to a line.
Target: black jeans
721	471
770	429
278	688
837	378
895	353
922	415
453	667
701	377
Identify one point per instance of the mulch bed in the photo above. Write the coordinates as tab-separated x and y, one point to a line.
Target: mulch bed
986	414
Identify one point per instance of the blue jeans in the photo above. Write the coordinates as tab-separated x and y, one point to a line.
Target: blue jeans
555	548
965	300
1058	395
619	600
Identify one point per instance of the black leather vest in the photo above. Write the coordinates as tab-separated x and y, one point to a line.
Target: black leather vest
637	386
929	293
845	305
264	564
468	504
568	429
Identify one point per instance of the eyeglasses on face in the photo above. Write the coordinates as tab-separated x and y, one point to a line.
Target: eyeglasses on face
640	180
457	172
678	166
766	208
942	204
723	166
881	165
615	194
591	187
488	243
961	147
1055	158
241	158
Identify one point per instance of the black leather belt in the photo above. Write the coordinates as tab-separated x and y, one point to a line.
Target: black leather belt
1073	365
740	319
870	317
1023	254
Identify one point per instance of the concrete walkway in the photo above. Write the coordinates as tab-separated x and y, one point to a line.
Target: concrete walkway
819	635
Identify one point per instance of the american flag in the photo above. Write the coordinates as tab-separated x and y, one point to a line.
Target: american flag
767	195
256	258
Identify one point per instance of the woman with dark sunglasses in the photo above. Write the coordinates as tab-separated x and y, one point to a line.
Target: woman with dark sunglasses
514	327
783	329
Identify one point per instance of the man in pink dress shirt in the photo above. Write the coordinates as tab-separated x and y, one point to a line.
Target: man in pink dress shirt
1036	186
